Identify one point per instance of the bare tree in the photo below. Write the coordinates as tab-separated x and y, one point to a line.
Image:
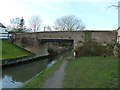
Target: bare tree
118	8
15	22
35	22
22	23
115	6
18	24
69	23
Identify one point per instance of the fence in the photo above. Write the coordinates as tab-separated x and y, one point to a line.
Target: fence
5	35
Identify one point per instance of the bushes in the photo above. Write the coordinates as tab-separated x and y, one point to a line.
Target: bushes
92	48
119	51
110	49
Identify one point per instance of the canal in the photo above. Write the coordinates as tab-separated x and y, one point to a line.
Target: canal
15	76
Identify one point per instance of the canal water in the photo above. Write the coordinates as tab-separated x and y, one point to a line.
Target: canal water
15	76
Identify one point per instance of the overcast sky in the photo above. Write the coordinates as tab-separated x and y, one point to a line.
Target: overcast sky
94	13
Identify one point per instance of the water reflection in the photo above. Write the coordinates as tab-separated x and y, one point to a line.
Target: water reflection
8	82
15	76
25	71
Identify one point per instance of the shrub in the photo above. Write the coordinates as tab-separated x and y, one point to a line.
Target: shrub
110	49
92	48
119	51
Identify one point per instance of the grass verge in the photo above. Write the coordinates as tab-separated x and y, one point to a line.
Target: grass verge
10	50
91	72
39	79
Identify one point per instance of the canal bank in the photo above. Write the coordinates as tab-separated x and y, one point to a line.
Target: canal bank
40	78
24	59
13	54
92	72
17	75
10	50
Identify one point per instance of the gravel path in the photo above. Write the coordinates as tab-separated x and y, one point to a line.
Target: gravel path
56	80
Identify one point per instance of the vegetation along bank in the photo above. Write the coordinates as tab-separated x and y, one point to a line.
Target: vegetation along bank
91	72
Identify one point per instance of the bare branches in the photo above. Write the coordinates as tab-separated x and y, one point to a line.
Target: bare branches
35	22
69	23
18	24
15	22
115	6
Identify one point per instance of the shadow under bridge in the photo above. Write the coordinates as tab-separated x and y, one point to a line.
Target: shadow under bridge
57	45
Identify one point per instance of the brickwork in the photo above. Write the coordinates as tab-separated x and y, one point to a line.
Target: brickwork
30	40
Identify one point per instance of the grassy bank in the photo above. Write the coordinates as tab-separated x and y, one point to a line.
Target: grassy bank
91	72
40	78
10	50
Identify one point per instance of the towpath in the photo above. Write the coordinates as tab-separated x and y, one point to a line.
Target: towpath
55	81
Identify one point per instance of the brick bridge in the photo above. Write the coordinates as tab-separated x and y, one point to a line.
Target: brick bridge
40	42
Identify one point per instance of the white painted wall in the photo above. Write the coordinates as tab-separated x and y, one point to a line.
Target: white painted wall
119	32
2	30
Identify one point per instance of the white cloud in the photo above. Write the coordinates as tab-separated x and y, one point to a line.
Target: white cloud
26	8
75	0
68	0
11	9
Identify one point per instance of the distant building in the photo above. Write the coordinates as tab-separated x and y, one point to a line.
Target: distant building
2	26
118	39
3	30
